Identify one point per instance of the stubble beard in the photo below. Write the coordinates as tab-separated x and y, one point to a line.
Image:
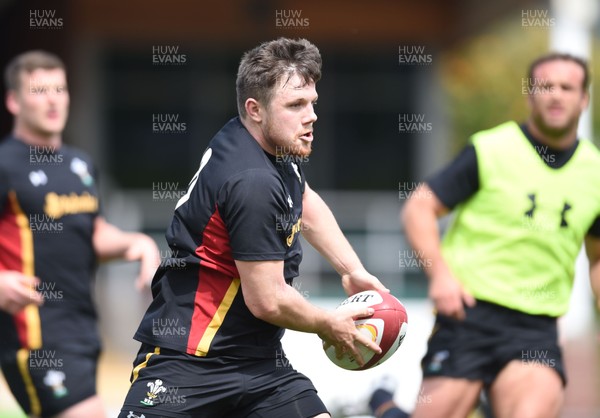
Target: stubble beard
557	132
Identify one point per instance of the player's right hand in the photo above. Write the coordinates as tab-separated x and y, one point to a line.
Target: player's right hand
449	297
17	290
341	332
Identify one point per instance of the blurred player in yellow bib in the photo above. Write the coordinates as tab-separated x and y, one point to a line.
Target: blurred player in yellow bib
526	196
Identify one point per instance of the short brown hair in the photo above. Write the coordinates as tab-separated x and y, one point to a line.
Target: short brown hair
262	67
558	56
28	62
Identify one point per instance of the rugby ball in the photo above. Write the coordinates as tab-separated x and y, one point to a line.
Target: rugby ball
386	327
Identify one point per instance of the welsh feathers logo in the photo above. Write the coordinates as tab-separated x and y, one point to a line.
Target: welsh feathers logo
156	388
38	178
80	167
55	379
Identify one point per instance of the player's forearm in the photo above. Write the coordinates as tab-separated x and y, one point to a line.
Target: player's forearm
592	248
595	280
108	240
270	298
114	246
321	230
112	243
292	311
420	225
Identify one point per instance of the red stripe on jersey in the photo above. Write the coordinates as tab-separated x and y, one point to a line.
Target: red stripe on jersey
10	241
215	251
216	273
214	298
16	241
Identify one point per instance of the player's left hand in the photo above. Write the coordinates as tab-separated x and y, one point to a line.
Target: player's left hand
144	249
360	280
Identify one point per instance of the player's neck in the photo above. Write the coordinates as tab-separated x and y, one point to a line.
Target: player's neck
34	138
564	141
257	134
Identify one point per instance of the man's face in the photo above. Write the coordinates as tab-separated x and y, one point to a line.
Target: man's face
558	97
289	117
41	105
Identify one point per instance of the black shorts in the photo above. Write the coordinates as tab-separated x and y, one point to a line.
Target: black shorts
167	383
47	381
489	338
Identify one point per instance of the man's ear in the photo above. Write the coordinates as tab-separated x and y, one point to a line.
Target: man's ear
254	110
12	102
585	101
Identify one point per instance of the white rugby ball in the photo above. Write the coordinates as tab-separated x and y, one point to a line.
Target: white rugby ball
386	327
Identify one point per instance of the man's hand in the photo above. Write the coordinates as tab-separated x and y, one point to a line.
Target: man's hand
342	334
144	249
17	291
359	280
112	243
448	296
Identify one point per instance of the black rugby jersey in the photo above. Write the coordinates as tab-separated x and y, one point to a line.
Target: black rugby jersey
48	204
242	204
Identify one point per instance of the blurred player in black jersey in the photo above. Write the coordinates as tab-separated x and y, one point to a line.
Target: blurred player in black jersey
51	237
211	337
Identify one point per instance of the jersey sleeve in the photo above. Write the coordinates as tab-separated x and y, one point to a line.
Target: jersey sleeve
457	181
595	228
250	206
